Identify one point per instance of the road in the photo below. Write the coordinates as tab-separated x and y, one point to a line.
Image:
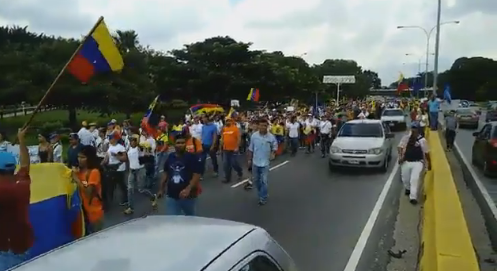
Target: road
316	215
464	143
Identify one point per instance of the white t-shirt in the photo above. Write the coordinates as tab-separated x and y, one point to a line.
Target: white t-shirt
133	155
325	127
86	137
196	130
112	159
293	129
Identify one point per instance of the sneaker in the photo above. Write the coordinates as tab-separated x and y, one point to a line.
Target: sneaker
262	202
124	203
413	201
248	186
128	211
154	201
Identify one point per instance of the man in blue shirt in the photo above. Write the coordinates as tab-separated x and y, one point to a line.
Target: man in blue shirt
209	137
73	150
181	177
434	108
261	151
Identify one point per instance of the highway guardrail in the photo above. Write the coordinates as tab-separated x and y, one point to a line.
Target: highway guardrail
446	242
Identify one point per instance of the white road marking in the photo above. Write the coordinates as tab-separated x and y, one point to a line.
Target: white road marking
355	257
479	183
270	169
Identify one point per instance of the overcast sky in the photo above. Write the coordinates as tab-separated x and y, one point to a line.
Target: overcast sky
362	30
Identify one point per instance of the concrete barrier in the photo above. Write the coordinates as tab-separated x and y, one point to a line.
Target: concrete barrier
446	241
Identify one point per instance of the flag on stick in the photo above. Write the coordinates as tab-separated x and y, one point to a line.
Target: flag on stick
253	95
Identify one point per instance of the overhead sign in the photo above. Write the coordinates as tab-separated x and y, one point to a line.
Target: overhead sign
339	79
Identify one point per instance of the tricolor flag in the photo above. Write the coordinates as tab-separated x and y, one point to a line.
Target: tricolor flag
97	54
253	95
401	85
151	119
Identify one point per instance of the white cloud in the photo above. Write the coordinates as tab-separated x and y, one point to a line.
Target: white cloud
363	30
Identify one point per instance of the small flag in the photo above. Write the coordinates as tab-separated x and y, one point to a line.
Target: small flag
401	85
97	54
230	113
253	95
151	119
447	95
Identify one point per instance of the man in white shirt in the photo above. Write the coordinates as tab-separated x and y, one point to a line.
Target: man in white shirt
85	136
136	176
293	128
325	128
196	128
115	162
57	148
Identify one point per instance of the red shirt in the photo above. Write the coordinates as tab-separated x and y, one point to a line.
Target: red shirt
16	233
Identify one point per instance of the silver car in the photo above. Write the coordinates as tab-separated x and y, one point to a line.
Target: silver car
395	118
362	143
169	243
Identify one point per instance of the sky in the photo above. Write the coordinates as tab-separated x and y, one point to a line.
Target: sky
362	30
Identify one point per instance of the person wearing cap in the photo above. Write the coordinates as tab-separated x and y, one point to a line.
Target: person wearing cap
56	148
85	136
414	154
93	129
115	163
136	176
16	232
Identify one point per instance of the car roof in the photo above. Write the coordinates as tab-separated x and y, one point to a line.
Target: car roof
368	121
153	243
389	109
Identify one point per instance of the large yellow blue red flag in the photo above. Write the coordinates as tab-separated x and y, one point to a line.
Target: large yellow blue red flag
97	54
253	95
55	211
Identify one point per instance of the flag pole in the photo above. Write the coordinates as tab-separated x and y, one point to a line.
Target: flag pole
37	109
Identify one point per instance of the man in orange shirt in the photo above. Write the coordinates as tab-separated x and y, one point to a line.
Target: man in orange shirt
230	142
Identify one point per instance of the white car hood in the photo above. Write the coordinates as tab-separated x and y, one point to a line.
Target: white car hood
358	143
393	118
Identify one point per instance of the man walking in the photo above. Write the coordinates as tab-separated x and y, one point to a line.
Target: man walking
433	107
261	151
230	142
451	126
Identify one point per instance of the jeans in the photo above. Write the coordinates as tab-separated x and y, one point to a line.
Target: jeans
180	206
9	259
117	178
433	120
294	145
450	136
259	178
230	160
325	144
206	150
137	179
160	160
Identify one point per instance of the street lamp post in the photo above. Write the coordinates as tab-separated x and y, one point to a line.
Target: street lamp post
428	35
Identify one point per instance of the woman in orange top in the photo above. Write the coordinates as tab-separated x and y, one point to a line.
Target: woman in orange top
88	178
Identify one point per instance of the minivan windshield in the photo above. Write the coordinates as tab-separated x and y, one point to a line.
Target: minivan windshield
393	113
361	130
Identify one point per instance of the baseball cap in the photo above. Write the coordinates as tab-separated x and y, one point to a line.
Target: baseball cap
7	161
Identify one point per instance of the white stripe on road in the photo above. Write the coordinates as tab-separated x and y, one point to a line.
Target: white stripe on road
270	169
355	257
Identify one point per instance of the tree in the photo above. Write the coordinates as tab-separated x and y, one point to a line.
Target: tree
214	70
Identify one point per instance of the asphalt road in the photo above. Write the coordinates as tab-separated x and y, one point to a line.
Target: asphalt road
316	215
464	142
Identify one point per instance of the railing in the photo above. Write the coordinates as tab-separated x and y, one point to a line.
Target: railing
21	111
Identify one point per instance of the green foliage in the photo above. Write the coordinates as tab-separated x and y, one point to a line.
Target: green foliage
215	70
469	78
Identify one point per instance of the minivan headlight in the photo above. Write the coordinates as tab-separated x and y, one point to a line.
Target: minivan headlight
375	151
335	150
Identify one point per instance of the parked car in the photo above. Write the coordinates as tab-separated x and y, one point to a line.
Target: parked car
172	243
467	118
484	152
362	143
395	118
491	115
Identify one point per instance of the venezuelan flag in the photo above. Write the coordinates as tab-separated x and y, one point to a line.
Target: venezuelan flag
151	119
205	108
55	212
97	54
253	95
